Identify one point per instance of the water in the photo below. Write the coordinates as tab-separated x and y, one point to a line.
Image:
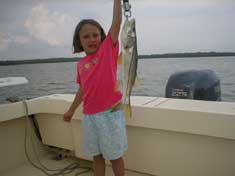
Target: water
55	78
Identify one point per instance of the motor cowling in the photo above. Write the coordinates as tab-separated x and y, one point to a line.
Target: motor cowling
194	84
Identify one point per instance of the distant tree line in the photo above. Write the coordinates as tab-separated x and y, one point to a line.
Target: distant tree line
196	54
36	61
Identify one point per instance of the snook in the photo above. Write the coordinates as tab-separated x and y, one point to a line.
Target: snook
129	62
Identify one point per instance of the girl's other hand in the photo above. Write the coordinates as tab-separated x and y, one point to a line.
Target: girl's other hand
68	116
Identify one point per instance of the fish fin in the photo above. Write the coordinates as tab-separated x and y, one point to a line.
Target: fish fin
127	110
119	59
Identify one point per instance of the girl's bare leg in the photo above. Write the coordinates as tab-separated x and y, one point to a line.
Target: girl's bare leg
118	167
99	165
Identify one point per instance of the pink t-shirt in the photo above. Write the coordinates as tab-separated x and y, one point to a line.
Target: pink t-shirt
97	75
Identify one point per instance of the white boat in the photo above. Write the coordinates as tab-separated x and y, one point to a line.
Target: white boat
166	137
9	81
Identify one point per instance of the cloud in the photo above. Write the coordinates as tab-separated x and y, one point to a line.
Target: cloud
6	39
183	3
22	40
182	25
47	26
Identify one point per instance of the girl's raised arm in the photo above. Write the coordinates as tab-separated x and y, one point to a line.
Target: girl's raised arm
117	20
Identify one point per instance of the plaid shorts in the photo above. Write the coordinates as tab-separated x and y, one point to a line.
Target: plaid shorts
104	133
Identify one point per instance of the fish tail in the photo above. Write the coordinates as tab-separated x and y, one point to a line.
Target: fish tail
127	110
137	81
120	59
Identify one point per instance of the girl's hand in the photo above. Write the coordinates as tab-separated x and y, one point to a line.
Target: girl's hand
76	102
68	116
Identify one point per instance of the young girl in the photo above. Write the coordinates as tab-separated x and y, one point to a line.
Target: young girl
103	122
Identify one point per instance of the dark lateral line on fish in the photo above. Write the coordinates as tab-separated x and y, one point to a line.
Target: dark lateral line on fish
129	71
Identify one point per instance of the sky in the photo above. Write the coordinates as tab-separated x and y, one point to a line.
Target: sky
37	29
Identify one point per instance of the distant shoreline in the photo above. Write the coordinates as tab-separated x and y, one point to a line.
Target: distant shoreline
152	56
196	54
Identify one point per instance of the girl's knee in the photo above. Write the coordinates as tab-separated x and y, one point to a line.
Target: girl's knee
98	158
119	160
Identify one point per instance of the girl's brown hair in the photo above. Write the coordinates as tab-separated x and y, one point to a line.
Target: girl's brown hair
76	39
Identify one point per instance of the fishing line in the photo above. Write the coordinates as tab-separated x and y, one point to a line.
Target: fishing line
29	132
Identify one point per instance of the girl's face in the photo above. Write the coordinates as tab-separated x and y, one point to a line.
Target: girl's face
90	38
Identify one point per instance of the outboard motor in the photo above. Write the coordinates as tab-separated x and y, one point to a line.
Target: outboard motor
194	84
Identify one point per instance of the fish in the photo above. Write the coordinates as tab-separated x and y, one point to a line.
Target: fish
129	63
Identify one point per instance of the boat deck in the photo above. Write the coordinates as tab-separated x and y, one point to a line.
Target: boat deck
165	137
27	169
